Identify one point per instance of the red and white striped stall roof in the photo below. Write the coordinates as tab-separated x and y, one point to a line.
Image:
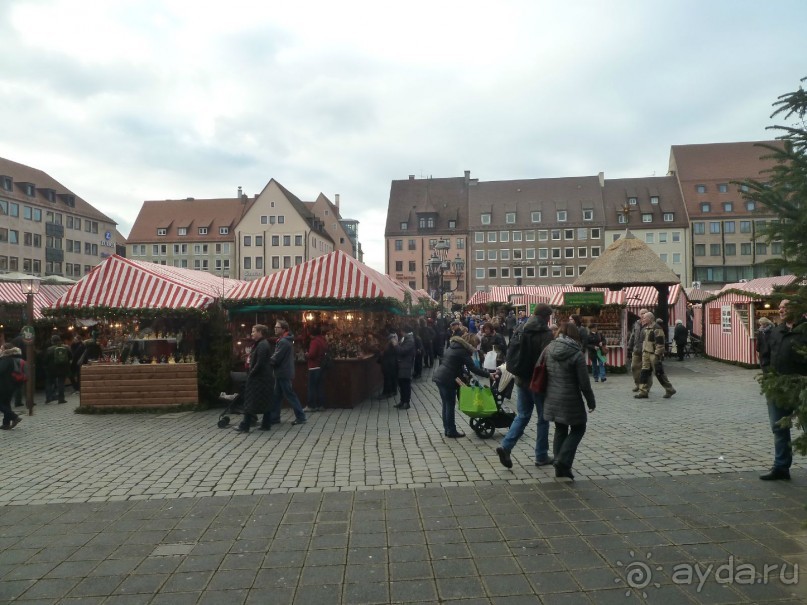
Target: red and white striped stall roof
480	297
123	283
611	298
762	286
334	275
638	297
10	292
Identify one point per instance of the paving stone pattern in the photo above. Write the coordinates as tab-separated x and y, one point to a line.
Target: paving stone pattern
374	505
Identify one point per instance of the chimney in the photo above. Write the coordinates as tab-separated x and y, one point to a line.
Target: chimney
336	200
240	193
467	175
411	177
601	177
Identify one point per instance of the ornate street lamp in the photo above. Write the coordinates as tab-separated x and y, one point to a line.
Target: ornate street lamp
437	267
29	285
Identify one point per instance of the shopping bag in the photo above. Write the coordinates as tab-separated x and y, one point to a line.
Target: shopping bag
601	355
490	361
539	377
477	401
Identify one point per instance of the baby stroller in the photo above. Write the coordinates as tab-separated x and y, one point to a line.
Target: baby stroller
233	402
485	406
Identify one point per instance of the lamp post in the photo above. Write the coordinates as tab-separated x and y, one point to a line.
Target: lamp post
29	286
438	267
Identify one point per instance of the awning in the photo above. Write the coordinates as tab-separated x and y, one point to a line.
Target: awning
10	293
127	284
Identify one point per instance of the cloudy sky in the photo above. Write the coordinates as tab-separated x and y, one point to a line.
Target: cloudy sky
130	100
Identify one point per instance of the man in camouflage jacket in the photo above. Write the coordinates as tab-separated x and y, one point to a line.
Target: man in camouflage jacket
653	347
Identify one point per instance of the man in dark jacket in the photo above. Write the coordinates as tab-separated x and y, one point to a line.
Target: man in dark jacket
680	336
260	378
405	351
786	341
57	367
282	360
457	356
536	336
764	343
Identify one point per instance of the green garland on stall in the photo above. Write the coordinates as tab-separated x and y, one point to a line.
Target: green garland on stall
369	304
113	313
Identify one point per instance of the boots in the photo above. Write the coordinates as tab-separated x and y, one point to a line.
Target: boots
670	392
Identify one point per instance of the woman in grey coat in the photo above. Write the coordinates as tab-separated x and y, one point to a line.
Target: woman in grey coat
568	379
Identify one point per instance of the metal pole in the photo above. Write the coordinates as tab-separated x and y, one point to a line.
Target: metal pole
30	358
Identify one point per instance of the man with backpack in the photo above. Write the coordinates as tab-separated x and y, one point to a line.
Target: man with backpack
528	342
11	365
57	367
318	358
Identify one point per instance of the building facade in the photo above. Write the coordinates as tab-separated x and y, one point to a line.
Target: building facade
46	229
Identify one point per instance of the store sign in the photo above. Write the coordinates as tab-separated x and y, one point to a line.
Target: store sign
28	334
582	299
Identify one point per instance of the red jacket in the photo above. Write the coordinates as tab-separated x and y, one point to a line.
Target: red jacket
316	349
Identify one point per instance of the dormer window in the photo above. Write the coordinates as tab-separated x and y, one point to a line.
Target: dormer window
588	215
8	183
485	218
404	225
224	230
562	216
182	231
29	189
654	199
647	217
202	230
632	201
162	231
452	224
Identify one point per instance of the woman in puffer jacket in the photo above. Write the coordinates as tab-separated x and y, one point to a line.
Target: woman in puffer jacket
567	386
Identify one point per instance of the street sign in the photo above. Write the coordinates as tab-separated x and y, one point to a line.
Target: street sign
582	299
28	333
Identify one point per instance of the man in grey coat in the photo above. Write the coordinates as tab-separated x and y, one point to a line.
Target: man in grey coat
282	361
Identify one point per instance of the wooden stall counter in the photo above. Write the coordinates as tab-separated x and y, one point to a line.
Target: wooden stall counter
108	385
347	382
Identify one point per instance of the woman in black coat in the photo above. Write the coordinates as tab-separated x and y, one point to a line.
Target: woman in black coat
457	357
405	350
568	378
260	378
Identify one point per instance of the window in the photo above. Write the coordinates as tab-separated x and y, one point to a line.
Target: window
728	227
562	214
556	253
568	271
595	233
723	188
399	266
517	272
698	228
480	255
621	218
543	235
505	254
259	240
485	218
654	199
662	238
411	244
745	249
14	210
411	265
505	272
556	271
529	253
281	220
298	260
668	217
247	263
555	235
155	249
460	244
272	220
647	217
276	241
258	262
38	218
730	249
663	257
452	224
480	274
517	236
700	188
582	234
510	219
298	240
492	254
543	271
202	230
264	219
776	247
159	231
650	238
761	249
582	252
676	258
182	231
479	237
568	234
706	207
568	253
750	205
595	251
676	236
504	236
529	236
200	249
492	272
491	236
220	248
224	230
276	262
247	240
714	249
745	226
588	215
714	227
535	216
728	206
700	249
543	253
633	201
398	243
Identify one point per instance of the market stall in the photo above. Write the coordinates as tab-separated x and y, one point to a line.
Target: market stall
646	297
354	305
151	330
731	318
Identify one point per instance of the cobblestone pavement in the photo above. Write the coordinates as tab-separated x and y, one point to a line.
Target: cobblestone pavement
374	505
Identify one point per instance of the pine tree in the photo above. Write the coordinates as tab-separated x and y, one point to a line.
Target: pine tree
784	193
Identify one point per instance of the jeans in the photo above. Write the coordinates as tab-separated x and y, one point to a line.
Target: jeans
597	367
54	387
5	406
316	399
448	395
783	452
283	389
405	386
527	400
565	443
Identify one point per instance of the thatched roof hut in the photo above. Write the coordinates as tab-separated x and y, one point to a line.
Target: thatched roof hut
630	262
